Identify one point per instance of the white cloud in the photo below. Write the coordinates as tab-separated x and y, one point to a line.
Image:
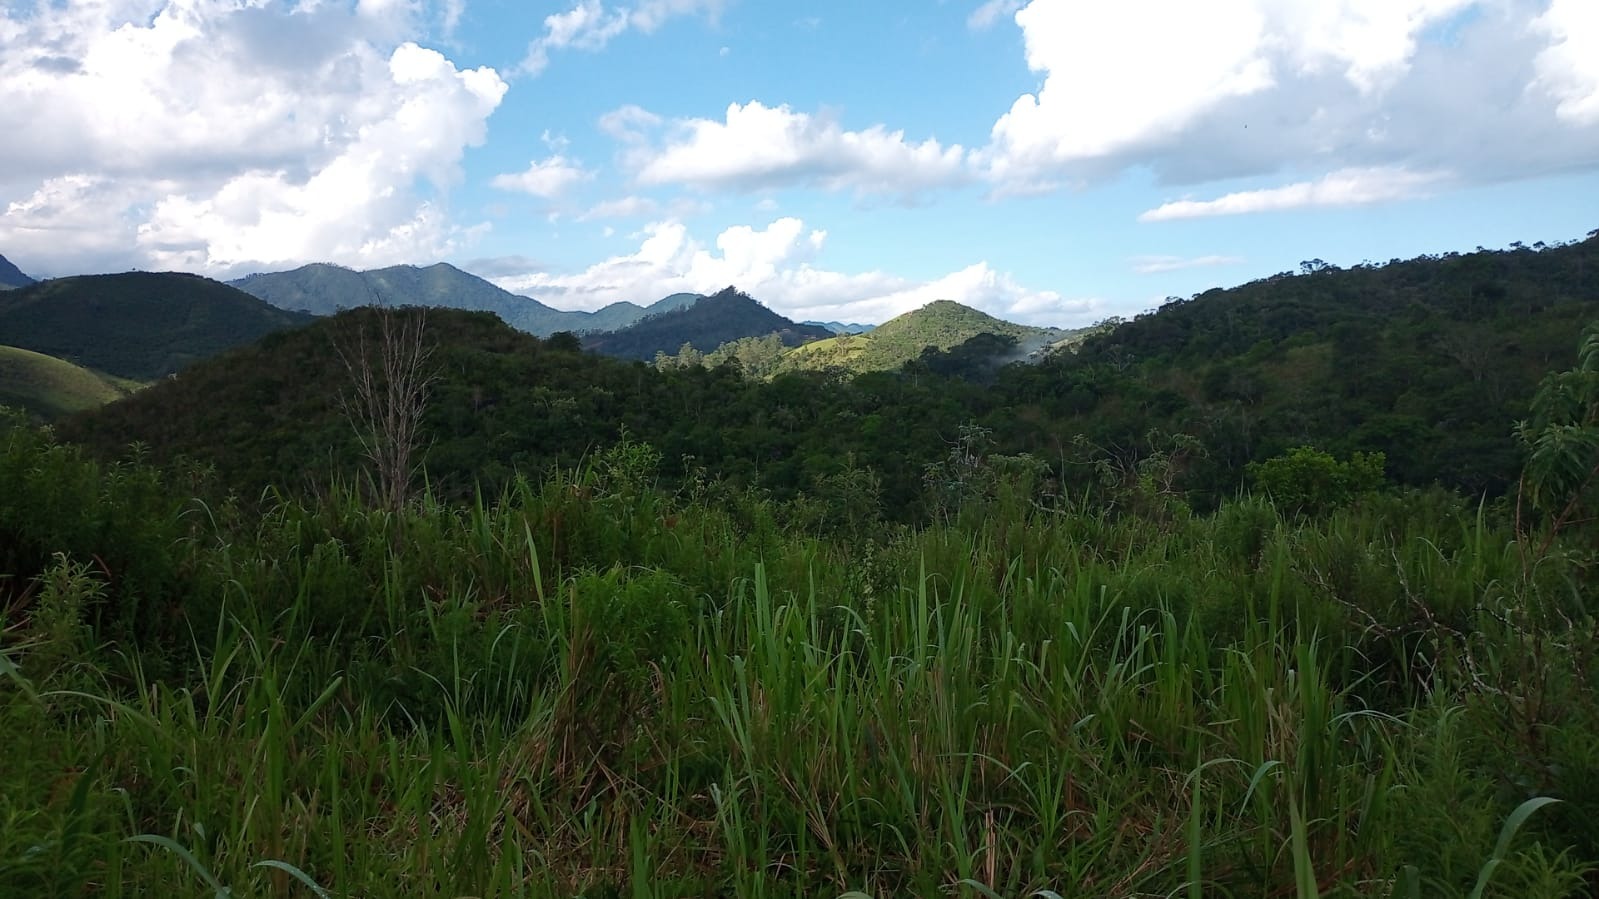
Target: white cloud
1154	265
212	136
1198	92
778	265
545	179
987	15
1569	67
590	26
1345	188
759	146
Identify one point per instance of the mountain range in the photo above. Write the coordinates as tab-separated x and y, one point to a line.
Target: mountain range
323	289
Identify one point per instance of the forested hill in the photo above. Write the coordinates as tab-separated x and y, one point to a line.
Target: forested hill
721	318
939	325
324	289
1429	362
139	325
12	277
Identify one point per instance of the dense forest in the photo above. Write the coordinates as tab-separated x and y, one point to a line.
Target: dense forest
1283	590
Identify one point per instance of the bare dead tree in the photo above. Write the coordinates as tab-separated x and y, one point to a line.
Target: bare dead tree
391	377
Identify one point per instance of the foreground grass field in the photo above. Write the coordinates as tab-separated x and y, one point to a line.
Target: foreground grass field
585	687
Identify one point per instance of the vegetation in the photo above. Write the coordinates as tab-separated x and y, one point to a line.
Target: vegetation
941	325
138	325
708	323
325	289
588	686
48	388
671	633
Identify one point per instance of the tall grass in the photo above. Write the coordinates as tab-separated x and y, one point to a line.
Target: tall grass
584	687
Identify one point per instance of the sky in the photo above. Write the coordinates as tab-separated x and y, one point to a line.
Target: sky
1048	161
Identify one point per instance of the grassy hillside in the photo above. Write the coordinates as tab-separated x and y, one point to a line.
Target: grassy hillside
942	325
48	388
325	289
707	324
140	325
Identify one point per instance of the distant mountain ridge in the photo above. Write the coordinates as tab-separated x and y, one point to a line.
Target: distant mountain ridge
12	277
140	325
841	327
707	324
323	289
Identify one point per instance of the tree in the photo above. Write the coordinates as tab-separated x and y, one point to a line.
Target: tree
390	381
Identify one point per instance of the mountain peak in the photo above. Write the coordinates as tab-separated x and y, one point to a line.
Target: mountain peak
11	276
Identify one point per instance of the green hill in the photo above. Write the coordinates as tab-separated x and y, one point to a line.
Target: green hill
140	325
12	277
49	388
707	324
323	289
942	325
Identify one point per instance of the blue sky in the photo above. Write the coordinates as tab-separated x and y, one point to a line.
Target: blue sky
1050	161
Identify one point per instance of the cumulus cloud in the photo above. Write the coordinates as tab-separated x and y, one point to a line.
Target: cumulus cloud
778	265
1345	188
1195	92
209	136
590	25
547	179
758	146
1569	67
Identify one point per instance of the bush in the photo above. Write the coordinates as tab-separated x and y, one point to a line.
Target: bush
1308	480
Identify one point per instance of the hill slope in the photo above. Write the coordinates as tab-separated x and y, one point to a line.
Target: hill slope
721	318
12	277
49	388
140	325
323	289
941	325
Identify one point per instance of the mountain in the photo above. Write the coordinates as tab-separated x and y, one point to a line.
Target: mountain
1428	361
712	321
841	327
140	325
942	325
12	277
48	388
323	289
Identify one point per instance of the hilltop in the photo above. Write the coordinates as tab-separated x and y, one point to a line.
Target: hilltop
940	326
713	321
48	388
140	325
323	289
12	277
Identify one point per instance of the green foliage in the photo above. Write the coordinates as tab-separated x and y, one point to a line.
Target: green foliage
593	687
1306	479
1561	435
